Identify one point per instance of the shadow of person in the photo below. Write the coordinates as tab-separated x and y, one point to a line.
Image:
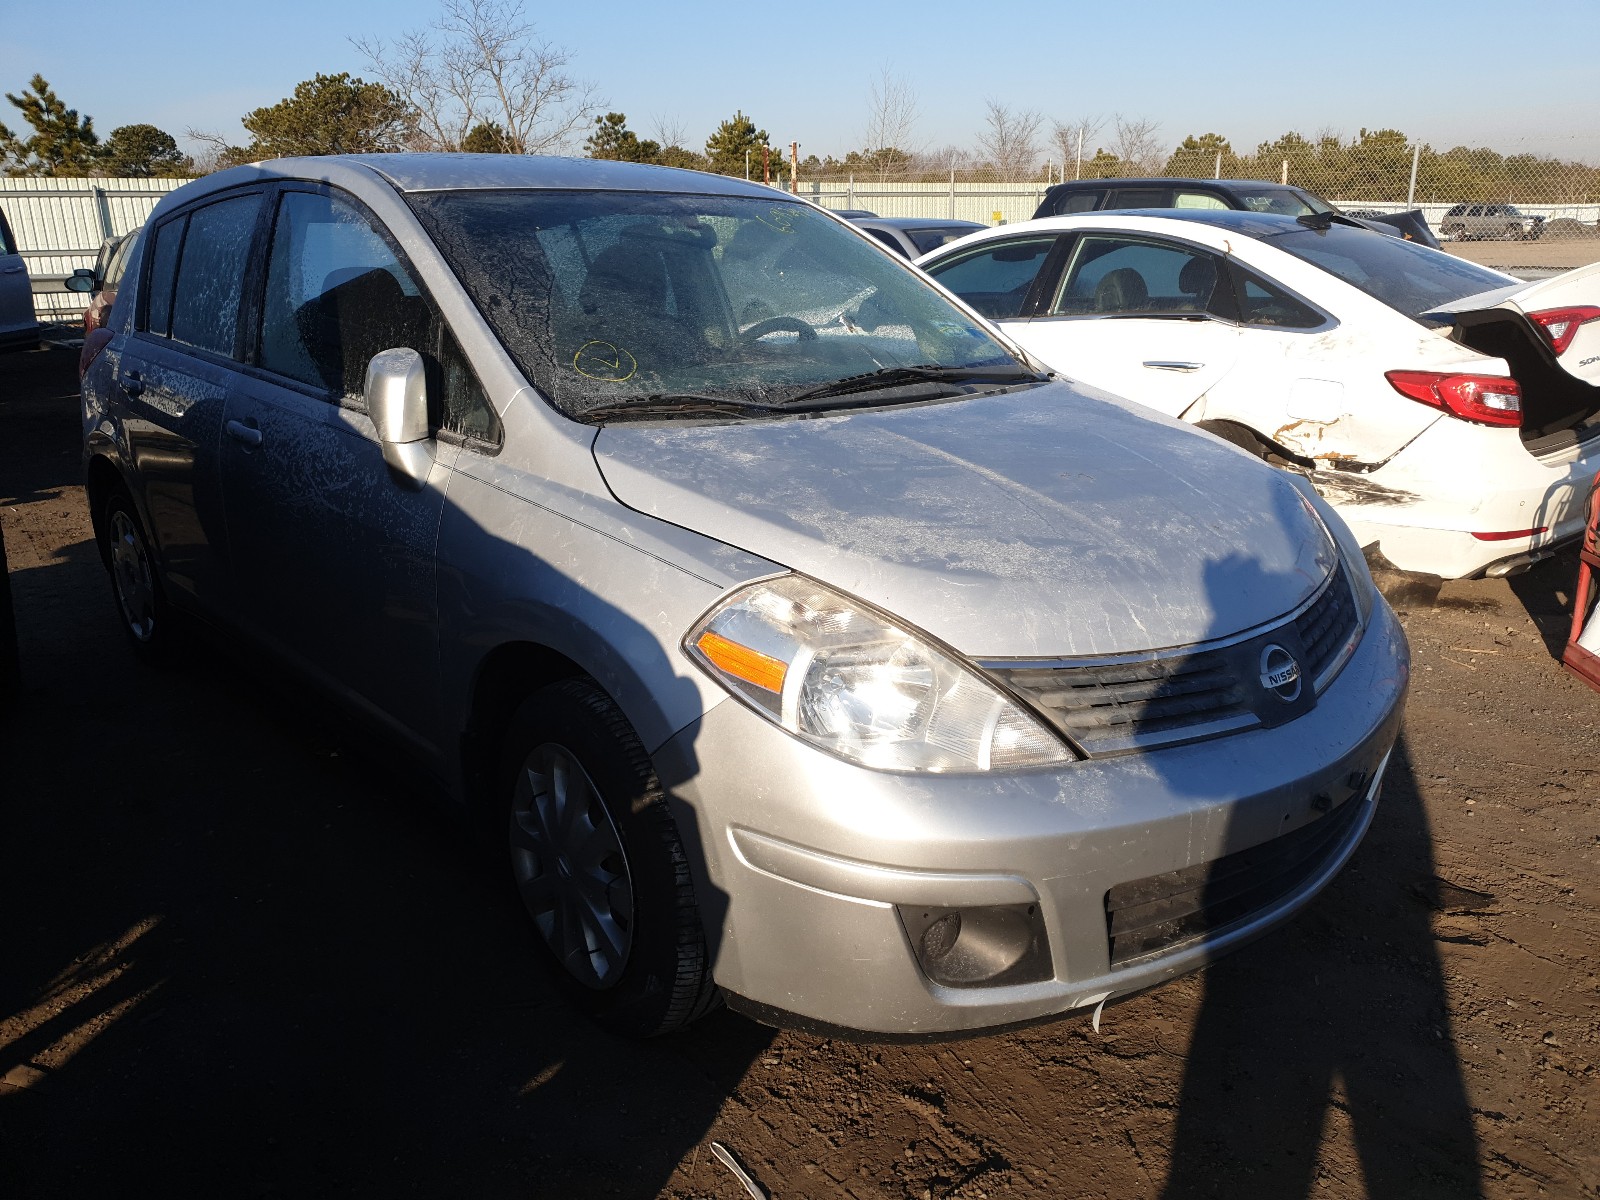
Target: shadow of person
247	953
1546	592
1331	1030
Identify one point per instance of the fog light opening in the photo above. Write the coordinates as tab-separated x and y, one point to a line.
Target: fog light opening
979	947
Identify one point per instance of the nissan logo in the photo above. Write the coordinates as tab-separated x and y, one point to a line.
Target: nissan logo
1280	674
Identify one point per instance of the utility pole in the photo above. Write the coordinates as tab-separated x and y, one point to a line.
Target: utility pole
1077	167
747	166
766	165
1411	192
794	168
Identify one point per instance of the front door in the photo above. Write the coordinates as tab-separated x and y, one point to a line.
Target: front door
334	556
1140	317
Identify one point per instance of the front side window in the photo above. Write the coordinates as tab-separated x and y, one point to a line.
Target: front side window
336	295
608	299
996	278
211	268
1123	276
1204	200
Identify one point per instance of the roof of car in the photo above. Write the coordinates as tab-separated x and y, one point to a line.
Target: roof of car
915	223
1073	185
441	172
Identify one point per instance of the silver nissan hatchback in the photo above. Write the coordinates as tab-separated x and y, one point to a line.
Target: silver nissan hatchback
815	650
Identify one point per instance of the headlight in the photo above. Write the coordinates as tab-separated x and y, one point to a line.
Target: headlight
1344	542
830	670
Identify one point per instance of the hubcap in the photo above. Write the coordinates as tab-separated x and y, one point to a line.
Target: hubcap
131	577
570	867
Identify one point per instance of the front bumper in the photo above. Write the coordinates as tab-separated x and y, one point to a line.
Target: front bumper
804	863
1422	507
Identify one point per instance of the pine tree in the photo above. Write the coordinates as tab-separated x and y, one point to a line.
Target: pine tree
63	143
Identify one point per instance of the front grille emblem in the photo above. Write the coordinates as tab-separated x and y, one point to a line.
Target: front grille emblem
1280	674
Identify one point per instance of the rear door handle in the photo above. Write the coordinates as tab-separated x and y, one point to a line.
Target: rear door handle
1164	365
132	383
12	270
240	432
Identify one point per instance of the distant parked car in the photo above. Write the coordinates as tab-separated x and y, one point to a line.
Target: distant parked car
912	237
1246	195
19	328
1466	221
1451	413
100	282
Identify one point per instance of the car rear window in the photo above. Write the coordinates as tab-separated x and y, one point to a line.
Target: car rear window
1402	274
928	240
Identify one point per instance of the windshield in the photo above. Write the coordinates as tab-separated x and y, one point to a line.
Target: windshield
1282	200
1404	275
606	299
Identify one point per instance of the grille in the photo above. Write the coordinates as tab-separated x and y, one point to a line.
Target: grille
1325	629
1162	913
1140	702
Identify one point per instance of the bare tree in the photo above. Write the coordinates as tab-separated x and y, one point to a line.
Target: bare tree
1074	141
891	124
1136	144
670	130
481	63
1010	140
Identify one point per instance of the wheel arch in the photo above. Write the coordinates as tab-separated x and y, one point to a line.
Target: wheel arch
101	479
506	676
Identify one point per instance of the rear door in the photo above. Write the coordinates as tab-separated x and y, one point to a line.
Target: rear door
1001	279
173	379
1140	316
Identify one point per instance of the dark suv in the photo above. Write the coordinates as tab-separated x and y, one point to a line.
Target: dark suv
1491	221
1251	195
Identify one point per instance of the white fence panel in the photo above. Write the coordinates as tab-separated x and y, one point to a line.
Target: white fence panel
59	224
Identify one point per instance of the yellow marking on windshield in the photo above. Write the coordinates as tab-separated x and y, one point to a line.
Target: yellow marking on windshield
605	362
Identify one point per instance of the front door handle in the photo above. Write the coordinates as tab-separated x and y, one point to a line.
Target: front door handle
132	383
240	432
13	269
1165	365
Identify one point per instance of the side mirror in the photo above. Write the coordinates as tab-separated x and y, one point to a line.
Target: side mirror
397	402
81	280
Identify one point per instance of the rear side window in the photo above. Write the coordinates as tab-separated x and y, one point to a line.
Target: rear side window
1079	202
887	240
996	279
1142	198
1203	200
205	304
1263	303
163	271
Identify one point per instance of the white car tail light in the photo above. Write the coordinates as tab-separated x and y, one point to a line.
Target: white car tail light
1487	399
1561	324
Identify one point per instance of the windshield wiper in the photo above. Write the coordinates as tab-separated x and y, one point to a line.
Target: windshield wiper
687	403
889	377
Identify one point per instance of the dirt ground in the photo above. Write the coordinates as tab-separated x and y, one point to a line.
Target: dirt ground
244	955
1548	254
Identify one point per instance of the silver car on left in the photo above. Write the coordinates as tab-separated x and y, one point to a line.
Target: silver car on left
813	648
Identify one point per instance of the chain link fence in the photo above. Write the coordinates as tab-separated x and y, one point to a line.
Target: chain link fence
1532	207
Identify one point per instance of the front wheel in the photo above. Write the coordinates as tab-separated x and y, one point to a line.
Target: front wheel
600	866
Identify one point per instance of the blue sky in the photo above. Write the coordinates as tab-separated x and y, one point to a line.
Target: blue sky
1463	71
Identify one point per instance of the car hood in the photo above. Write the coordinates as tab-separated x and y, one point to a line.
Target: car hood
1048	522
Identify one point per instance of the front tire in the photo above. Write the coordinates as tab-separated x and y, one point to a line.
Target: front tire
600	866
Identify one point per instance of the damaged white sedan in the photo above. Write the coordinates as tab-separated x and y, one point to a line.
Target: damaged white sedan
1451	413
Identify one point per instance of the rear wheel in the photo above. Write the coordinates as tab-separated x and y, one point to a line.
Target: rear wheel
135	585
600	866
